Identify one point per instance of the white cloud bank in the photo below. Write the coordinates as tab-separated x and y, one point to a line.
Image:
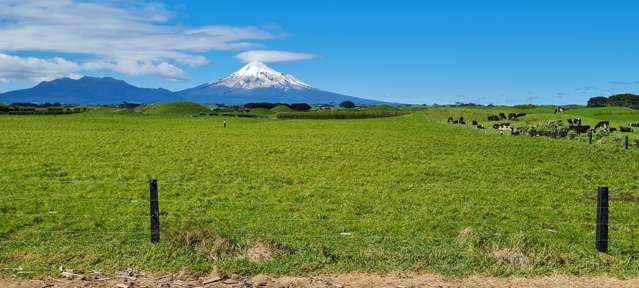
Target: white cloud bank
34	69
134	39
270	56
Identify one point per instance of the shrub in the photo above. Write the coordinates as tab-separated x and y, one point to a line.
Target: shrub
347	104
598	102
300	106
549	129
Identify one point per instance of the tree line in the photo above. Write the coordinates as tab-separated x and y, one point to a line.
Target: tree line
623	100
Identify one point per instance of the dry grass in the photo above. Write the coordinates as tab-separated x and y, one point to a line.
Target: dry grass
508	256
356	280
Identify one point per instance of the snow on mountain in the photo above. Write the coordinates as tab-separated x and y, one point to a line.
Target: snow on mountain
258	75
257	82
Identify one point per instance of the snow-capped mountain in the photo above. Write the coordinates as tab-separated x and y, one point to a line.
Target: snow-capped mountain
257	75
257	82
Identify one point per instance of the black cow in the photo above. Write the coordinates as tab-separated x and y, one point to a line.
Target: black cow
512	116
569	122
602	124
481	126
625	129
580	129
502	116
493	118
474	123
450	120
634	125
612	129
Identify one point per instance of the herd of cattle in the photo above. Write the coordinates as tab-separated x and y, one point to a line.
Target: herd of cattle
502	116
573	124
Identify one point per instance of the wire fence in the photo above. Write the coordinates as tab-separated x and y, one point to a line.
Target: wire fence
62	215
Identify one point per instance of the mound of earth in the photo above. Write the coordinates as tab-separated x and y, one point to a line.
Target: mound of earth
281	108
174	108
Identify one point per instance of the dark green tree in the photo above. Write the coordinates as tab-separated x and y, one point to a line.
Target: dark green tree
347	104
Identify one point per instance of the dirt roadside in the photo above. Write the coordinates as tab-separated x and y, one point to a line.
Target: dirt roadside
334	281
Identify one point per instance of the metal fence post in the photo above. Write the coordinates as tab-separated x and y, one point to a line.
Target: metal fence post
155	210
602	220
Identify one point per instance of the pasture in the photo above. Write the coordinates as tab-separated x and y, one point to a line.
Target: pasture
300	197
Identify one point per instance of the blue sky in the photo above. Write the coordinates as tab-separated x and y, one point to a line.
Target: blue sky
502	52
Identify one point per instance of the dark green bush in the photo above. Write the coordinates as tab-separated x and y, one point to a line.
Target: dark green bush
553	129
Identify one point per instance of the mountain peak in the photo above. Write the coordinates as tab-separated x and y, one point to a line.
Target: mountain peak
257	75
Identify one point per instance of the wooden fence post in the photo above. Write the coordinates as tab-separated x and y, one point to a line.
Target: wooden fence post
590	137
602	220
626	142
155	210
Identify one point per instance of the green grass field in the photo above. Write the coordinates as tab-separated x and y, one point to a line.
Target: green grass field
300	197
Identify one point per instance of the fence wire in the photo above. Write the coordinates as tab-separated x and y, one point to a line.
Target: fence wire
64	210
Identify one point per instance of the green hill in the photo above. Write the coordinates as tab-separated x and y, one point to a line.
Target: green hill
174	108
281	108
382	108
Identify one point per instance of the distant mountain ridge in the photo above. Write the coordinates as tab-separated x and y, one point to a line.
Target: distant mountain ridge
88	91
255	82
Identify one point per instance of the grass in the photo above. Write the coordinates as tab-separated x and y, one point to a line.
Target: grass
338	114
281	108
300	197
180	108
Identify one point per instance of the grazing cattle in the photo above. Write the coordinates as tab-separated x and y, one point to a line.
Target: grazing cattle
462	121
450	120
481	126
612	129
493	118
625	129
455	122
515	132
502	116
569	122
474	123
502	126
602	124
580	129
634	125
515	116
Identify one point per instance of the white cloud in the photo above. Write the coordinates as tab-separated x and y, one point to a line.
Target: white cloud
269	56
35	69
135	39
